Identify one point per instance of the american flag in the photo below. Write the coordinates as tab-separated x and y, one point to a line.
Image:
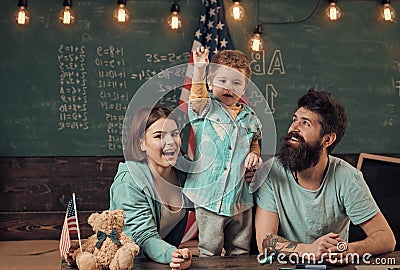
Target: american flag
70	227
213	34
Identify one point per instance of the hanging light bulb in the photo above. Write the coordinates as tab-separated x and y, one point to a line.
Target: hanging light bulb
22	16
174	20
256	43
333	11
388	12
67	15
121	14
236	10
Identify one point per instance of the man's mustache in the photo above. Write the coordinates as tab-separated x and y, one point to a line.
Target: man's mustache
295	135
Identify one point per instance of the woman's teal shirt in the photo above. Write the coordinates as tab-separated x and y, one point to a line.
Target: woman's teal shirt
133	191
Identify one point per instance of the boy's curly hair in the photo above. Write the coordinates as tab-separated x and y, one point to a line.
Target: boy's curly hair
233	59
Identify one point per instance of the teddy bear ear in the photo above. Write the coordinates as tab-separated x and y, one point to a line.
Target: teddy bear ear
120	213
92	218
120	218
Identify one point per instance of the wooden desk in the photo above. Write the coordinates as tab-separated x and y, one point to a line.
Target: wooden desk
240	262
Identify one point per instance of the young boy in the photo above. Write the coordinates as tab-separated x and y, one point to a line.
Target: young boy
226	135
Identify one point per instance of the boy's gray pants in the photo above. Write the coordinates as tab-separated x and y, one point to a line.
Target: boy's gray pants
217	232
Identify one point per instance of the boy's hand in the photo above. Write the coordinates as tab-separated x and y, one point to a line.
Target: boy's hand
252	161
200	57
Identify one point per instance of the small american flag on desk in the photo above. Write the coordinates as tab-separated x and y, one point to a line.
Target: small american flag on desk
70	227
213	34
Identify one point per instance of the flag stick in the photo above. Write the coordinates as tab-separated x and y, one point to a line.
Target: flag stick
77	222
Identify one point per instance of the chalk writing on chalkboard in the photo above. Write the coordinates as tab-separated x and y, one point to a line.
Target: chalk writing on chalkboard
169	57
112	87
72	89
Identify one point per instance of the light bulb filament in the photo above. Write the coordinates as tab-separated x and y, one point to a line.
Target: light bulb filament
174	22
21	17
236	13
333	13
67	17
388	13
256	42
256	45
121	15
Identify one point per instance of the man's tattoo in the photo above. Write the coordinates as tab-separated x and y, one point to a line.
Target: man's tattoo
277	244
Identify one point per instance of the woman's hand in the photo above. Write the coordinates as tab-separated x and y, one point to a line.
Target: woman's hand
69	256
181	259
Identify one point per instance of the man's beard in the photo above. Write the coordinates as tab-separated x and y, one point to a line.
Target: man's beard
298	157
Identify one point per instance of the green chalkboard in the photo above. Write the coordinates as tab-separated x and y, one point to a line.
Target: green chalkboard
65	89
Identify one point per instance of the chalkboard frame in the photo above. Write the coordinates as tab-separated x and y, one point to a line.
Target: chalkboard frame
375	157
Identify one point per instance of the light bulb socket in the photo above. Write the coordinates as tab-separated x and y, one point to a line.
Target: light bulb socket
257	30
23	3
67	3
122	2
333	1
386	2
236	1
174	7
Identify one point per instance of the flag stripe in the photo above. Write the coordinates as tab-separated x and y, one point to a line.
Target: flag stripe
191	230
65	241
72	225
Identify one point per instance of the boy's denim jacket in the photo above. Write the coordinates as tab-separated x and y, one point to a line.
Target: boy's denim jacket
216	178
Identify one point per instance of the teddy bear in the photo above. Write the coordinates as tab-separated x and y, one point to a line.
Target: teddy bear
109	248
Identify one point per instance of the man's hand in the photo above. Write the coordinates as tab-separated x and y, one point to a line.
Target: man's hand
322	245
340	254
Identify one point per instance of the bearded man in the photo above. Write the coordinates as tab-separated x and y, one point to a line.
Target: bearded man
307	200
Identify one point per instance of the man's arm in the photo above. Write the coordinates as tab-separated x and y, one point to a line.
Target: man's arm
268	240
266	225
380	238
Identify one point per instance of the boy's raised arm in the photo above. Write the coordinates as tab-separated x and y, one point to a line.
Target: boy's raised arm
198	93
